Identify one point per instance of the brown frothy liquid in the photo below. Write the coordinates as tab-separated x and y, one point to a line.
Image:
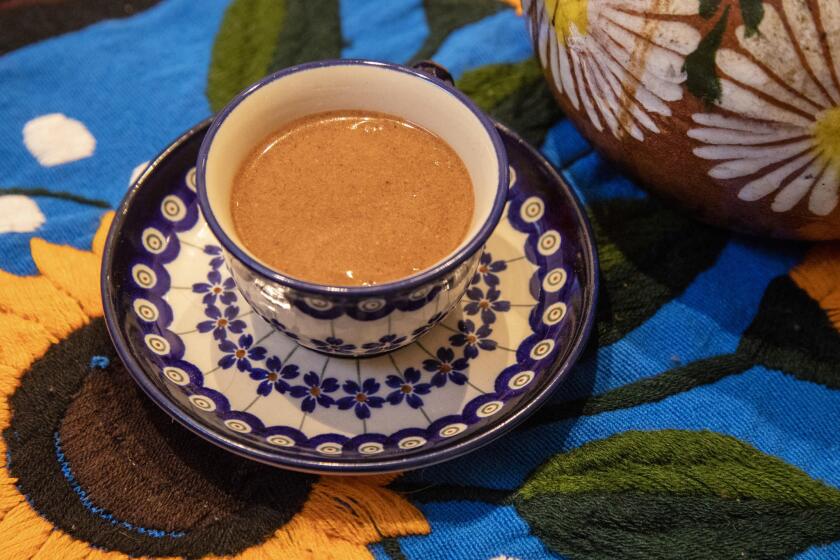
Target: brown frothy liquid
352	198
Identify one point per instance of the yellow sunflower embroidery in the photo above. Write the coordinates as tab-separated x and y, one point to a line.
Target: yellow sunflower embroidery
339	519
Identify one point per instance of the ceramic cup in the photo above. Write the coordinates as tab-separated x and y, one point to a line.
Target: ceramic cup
341	320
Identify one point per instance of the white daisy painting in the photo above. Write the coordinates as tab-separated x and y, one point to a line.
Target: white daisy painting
775	129
618	61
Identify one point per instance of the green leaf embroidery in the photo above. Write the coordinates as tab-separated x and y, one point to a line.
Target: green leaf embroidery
752	12
313	33
701	79
515	94
244	47
445	16
708	8
676	494
792	333
490	85
645	390
649	254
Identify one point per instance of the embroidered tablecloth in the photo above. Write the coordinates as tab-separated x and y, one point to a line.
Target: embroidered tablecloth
702	422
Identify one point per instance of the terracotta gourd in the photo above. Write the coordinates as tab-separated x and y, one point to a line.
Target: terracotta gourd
730	107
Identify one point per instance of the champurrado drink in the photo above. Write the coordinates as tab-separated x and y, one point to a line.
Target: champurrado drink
352	198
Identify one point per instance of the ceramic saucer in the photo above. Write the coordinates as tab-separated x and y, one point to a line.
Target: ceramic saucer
196	348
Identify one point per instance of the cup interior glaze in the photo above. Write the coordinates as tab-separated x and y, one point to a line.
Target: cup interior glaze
354	85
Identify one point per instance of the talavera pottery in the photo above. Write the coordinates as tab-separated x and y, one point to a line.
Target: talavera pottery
730	108
195	346
367	319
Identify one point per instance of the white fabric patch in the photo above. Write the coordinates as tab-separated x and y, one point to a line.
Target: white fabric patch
55	139
19	214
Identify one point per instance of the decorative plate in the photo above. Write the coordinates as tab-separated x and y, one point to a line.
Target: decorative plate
197	349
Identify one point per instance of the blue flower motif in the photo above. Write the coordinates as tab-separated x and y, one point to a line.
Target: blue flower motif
220	323
217	260
446	367
472	339
214	287
362	398
240	353
486	304
274	376
407	387
333	344
387	342
429	324
487	268
313	392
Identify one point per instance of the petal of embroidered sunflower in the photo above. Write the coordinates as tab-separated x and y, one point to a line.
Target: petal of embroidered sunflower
61	545
22	341
359	511
9	381
73	271
37	299
819	275
98	245
23	532
9	495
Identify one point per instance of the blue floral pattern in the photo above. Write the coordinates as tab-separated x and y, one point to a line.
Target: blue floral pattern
333	344
215	287
274	376
472	339
407	387
384	344
218	260
487	269
446	367
314	391
362	398
240	353
221	322
485	304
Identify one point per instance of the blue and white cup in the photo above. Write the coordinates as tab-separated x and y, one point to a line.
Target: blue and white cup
342	320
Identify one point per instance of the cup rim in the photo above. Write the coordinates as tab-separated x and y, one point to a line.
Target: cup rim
474	244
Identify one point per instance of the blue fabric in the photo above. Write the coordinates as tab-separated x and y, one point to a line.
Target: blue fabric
473	530
139	82
133	95
495	39
390	31
762	407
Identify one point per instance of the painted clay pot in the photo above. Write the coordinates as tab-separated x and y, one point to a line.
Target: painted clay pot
729	107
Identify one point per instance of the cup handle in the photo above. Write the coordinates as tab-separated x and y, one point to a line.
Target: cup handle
435	70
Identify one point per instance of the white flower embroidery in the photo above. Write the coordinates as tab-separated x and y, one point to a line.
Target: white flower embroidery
19	214
55	139
622	57
784	100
